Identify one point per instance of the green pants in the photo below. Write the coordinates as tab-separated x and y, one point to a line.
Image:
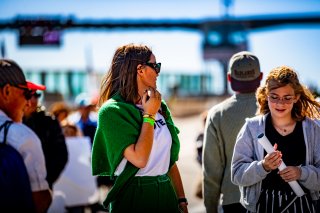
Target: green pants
147	194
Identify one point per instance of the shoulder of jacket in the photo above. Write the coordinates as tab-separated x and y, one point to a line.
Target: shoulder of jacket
45	119
22	130
308	122
256	118
215	111
112	104
114	108
255	121
221	107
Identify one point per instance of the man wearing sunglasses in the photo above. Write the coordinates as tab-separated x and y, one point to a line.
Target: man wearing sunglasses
50	134
15	92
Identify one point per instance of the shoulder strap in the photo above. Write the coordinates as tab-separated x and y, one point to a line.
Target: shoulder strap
6	126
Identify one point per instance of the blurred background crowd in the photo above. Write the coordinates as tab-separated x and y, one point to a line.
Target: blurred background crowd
67	46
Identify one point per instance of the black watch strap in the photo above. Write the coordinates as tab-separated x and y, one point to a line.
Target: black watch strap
182	200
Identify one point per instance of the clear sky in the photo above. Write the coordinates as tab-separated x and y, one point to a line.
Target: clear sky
178	50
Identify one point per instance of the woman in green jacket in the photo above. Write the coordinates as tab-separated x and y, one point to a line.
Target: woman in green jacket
136	142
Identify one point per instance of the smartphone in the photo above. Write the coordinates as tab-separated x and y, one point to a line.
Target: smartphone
148	94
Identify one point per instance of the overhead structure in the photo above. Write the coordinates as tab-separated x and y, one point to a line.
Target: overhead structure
222	37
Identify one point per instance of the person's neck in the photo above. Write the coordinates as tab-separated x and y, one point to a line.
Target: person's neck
284	125
141	91
283	121
84	118
245	92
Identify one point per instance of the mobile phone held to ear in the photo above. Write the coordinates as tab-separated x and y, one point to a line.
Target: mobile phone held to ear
148	94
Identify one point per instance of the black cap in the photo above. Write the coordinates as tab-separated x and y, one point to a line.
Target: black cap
11	73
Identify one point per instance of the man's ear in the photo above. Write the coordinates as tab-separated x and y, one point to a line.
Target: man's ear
139	68
5	91
261	76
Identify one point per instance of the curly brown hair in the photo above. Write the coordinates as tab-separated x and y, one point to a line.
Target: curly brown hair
306	106
122	75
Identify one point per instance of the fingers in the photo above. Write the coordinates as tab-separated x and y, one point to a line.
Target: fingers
275	147
151	101
145	96
158	95
274	158
153	93
286	175
272	161
290	173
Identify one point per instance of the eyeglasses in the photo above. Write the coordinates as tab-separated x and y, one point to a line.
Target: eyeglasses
26	92
155	66
288	99
36	94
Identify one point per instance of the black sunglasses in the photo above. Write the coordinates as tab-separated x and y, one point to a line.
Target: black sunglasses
155	66
26	92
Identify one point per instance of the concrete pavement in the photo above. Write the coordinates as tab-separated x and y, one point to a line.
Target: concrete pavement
189	168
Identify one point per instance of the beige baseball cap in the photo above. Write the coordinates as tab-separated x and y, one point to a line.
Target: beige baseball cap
244	69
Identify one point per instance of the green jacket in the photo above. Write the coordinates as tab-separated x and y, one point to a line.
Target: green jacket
119	125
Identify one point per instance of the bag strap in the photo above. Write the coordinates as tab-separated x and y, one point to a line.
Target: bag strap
6	126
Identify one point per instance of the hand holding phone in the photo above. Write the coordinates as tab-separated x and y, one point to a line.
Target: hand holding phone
151	101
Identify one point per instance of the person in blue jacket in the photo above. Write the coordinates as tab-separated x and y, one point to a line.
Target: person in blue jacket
288	113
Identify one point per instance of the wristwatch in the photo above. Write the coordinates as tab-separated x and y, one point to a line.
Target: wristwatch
183	200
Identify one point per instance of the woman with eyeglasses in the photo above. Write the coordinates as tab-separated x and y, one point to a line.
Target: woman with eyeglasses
136	141
287	118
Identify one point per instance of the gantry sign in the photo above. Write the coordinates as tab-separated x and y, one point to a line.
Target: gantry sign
222	37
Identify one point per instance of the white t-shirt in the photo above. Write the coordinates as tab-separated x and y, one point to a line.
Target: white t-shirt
76	182
159	159
23	139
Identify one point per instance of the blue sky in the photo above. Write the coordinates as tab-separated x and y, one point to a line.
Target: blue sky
178	50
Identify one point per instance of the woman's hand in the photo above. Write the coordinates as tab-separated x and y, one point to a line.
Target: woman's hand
272	160
151	101
290	173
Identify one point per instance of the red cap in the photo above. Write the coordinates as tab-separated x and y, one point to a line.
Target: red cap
34	86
